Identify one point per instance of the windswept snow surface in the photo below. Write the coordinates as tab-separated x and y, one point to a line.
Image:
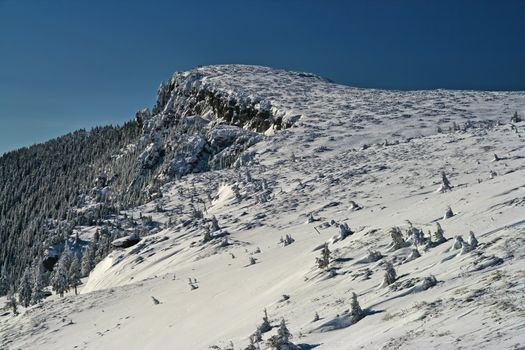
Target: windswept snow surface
318	167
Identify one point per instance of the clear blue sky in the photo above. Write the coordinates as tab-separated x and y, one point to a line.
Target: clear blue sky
67	64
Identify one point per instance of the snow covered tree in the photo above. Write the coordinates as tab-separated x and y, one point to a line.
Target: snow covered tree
458	242
390	274
465	248
25	288
287	240
252	345
60	279
324	261
4	284
355	309
214	224
354	206
448	213
428	282
257	337
344	231
439	235
88	260
445	183
38	282
414	254
283	332
515	118
374	255
265	326
193	284
310	218
416	236
472	241
12	303
74	274
397	238
281	341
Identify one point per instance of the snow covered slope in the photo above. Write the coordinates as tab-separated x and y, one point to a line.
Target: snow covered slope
330	155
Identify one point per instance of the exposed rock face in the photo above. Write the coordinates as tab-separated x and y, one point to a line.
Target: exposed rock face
193	128
126	242
188	94
191	93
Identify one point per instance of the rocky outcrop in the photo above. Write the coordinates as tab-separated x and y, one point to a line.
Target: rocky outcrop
187	94
126	242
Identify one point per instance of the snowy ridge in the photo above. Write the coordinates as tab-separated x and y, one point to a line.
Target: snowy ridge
370	159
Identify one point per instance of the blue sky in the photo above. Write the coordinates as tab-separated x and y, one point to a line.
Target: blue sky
71	64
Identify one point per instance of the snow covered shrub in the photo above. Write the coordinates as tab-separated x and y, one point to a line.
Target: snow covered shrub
397	238
311	218
416	236
374	255
445	184
287	240
355	309
472	241
324	261
439	235
11	302
414	254
354	206
265	326
281	341
515	118
344	231
428	282
448	213
458	242
390	274
193	284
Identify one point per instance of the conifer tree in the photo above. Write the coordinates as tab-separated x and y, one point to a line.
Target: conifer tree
74	274
515	118
448	213
344	231
355	309
12	303
25	289
281	341
4	283
390	274
60	279
445	183
88	260
472	241
439	234
38	282
265	325
397	238
324	261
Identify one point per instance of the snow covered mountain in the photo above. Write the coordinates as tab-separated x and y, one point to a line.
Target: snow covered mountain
285	192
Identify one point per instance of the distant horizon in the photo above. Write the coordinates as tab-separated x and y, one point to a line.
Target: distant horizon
72	65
